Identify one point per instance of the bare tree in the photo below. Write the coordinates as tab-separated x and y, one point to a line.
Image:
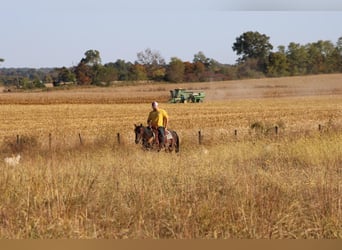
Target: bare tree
154	64
149	57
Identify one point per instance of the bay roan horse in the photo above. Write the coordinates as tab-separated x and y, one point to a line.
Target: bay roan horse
149	138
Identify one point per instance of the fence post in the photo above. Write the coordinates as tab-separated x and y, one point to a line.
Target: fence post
235	132
118	138
18	139
199	137
319	127
50	139
79	135
276	130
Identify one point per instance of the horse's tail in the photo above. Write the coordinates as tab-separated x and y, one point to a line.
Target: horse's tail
176	142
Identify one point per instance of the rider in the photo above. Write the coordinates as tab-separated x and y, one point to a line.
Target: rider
158	119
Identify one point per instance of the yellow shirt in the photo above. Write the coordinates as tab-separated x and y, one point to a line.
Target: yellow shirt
157	117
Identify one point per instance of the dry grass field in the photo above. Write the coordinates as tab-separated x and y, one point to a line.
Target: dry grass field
76	181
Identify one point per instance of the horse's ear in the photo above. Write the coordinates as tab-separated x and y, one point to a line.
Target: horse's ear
140	124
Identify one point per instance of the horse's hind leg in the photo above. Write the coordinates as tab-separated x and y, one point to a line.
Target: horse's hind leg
171	146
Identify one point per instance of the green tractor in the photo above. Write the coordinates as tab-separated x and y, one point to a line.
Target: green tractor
180	95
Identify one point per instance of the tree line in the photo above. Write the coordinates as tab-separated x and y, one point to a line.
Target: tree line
257	59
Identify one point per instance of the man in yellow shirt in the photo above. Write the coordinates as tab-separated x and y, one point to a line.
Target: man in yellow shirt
158	119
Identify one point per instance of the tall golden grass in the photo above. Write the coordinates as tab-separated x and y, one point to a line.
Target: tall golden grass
267	189
254	184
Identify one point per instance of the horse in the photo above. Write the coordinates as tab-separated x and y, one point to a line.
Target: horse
149	138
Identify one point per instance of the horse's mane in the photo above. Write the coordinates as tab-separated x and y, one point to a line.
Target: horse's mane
148	131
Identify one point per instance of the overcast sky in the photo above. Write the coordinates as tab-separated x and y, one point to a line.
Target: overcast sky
56	33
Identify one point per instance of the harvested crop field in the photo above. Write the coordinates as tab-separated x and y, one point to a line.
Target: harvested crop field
258	88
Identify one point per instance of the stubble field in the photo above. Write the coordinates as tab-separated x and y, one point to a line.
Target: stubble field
76	180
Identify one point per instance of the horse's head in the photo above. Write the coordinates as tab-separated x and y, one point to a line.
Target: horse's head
139	131
144	134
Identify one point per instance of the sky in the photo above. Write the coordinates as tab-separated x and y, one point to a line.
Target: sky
57	33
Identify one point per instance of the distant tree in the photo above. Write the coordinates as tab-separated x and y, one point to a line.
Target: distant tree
315	62
99	74
249	69
92	57
339	45
48	78
189	69
297	58
200	57
37	83
138	72
199	70
153	62
230	72
65	75
277	64
149	57
282	49
159	74
320	57
338	54
112	73
123	69
334	62
332	57
26	83
175	71
218	71
83	74
252	45
87	71
215	66
2	60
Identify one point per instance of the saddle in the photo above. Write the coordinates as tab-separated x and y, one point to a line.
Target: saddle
168	135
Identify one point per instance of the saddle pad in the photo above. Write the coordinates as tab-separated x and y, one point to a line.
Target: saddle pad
168	135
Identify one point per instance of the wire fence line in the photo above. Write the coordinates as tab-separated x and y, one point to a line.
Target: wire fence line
207	136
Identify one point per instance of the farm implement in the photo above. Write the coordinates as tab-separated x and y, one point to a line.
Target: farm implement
180	95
